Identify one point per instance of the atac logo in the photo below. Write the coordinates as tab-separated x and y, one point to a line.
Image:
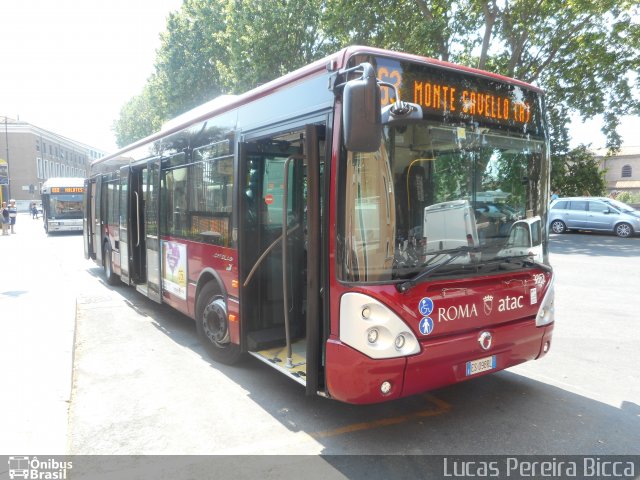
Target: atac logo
488	304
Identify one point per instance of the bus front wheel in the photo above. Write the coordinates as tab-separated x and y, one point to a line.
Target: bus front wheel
111	277
212	323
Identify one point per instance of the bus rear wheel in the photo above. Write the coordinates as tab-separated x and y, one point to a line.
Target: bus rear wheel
212	323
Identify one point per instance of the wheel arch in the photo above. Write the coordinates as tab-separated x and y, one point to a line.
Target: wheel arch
230	353
210	275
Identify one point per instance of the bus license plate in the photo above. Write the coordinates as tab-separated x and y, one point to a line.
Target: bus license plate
481	365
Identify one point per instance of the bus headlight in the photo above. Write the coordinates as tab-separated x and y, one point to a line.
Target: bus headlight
373	329
546	312
372	336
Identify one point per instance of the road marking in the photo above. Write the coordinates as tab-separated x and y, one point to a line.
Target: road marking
441	407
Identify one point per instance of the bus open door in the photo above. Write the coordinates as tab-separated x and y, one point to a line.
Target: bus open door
88	218
280	250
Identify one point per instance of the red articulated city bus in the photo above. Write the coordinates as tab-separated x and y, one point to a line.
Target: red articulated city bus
372	225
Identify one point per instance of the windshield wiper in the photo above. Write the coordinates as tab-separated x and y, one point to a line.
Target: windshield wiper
525	261
427	272
532	263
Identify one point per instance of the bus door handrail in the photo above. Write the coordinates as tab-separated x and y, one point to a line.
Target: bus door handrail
137	217
265	253
285	275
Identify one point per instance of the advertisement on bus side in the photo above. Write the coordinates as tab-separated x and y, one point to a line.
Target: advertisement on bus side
174	268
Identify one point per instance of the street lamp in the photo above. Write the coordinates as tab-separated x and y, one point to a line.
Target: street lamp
6	141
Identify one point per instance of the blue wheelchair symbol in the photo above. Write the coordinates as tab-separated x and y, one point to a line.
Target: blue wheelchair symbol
426	326
425	307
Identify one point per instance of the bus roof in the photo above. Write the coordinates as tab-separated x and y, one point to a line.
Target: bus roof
64	182
354	50
331	63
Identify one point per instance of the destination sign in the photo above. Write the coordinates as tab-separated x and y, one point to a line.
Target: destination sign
453	96
67	189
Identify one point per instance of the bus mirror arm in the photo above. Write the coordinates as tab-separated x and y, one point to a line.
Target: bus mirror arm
399	110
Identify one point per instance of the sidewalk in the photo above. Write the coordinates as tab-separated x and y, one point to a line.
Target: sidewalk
38	288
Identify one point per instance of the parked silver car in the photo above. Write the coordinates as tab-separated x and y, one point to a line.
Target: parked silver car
593	213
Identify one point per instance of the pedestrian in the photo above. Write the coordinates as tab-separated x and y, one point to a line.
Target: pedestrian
13	213
6	219
34	211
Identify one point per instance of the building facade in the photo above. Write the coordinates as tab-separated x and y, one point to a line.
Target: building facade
622	171
30	155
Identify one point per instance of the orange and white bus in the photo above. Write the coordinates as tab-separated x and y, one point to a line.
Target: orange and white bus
335	224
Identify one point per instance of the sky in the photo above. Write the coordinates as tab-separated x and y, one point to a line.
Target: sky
69	66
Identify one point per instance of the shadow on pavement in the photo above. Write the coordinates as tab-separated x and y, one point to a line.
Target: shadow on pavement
594	244
502	413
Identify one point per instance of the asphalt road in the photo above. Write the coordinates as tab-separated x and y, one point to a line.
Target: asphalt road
142	384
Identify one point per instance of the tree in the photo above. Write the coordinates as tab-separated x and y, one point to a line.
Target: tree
267	39
579	51
192	48
186	70
223	46
140	116
577	173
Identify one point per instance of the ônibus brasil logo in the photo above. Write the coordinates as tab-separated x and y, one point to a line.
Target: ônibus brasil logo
33	468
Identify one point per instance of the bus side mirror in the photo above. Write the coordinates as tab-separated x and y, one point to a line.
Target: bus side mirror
361	112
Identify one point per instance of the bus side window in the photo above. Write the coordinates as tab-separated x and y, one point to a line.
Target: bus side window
175	207
211	195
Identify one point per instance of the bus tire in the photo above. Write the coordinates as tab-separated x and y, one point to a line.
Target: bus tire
107	262
213	325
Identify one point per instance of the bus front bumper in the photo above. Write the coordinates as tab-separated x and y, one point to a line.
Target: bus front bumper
353	377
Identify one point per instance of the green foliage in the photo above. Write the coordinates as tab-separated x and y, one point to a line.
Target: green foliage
629	198
140	116
577	173
186	73
579	51
267	39
189	55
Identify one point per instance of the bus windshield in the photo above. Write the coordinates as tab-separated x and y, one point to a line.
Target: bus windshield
67	206
441	196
